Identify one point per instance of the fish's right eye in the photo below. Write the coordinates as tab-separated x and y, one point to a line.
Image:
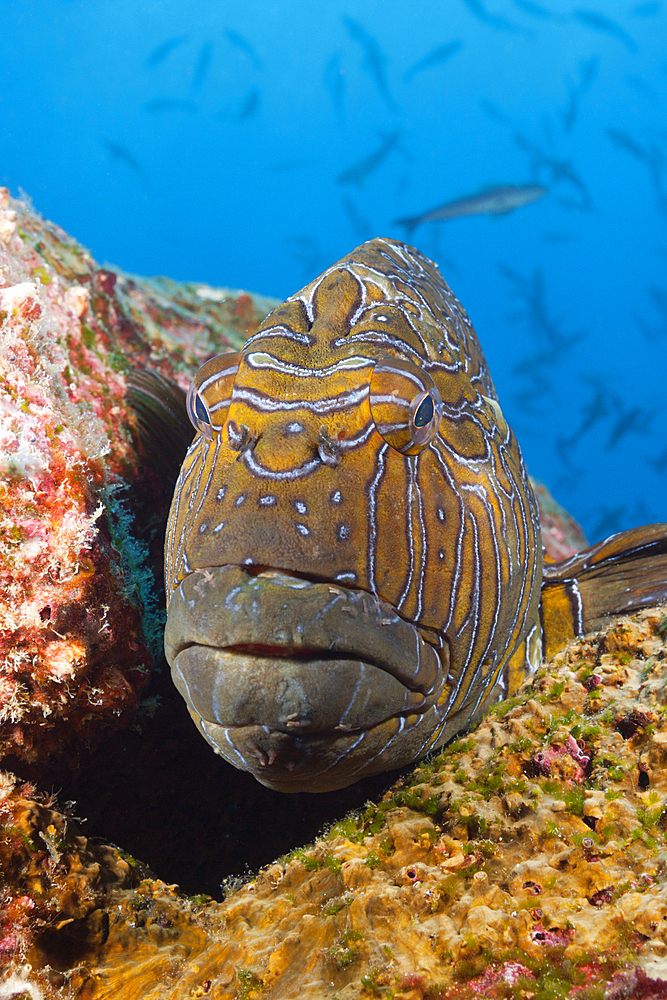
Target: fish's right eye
198	413
210	394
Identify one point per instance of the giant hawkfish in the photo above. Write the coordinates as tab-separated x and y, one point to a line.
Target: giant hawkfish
353	559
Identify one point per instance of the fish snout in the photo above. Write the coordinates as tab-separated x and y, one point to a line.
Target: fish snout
287	498
286	445
292	679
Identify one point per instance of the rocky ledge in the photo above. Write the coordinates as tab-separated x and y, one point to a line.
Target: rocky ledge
529	859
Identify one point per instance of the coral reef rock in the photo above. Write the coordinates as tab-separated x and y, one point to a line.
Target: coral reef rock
528	859
78	615
561	535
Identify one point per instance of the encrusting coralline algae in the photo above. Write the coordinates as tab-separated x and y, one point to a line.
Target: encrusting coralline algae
79	621
526	860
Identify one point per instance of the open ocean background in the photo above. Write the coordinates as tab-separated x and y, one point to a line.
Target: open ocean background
253	145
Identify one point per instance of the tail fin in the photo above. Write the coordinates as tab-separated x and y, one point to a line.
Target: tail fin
625	572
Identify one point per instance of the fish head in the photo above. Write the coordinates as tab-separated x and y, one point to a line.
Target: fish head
314	541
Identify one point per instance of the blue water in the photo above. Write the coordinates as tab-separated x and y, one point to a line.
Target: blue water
210	140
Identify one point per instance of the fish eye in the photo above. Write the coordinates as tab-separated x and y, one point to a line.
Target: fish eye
210	394
406	405
200	409
424	412
198	412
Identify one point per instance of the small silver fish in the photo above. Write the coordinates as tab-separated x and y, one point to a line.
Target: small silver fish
493	201
359	171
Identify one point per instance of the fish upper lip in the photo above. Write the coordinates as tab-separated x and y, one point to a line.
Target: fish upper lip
294	653
261	649
230	607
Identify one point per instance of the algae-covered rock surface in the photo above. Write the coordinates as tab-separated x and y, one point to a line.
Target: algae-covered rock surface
529	859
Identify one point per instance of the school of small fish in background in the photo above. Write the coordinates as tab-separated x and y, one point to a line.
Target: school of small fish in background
546	175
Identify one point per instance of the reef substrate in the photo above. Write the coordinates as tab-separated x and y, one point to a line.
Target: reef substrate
529	859
80	625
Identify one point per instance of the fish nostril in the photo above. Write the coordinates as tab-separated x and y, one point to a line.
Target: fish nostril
328	449
240	437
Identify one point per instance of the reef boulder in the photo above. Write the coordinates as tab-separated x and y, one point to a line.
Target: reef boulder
79	619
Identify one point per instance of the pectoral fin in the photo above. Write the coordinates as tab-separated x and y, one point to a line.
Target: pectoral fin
162	422
623	573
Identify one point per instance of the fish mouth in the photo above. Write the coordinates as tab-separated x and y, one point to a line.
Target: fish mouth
302	682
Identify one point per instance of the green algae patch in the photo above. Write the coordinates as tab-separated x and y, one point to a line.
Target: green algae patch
414	799
250	985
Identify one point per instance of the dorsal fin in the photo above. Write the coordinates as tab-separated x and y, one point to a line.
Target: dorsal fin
623	573
162	422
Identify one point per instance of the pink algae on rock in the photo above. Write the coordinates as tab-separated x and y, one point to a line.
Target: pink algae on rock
561	535
77	607
568	762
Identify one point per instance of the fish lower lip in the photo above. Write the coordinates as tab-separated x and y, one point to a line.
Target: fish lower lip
308	694
319	762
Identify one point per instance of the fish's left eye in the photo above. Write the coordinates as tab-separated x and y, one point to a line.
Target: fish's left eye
424	411
210	394
406	405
